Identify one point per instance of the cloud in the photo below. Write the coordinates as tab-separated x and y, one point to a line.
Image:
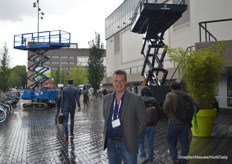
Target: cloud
15	10
82	18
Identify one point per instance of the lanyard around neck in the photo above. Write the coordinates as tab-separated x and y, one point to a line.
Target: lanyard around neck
119	106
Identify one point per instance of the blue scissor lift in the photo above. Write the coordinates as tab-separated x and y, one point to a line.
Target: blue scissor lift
39	43
152	20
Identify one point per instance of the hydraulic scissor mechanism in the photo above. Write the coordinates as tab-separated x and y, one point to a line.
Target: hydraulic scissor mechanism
153	43
37	69
152	20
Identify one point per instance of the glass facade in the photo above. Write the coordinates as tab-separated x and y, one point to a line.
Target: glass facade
64	57
55	57
55	63
64	63
122	16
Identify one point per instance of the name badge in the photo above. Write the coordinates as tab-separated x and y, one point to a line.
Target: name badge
116	123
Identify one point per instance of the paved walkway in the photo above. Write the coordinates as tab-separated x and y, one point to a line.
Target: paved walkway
31	136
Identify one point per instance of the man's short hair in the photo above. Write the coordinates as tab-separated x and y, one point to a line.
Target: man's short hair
175	85
121	72
70	81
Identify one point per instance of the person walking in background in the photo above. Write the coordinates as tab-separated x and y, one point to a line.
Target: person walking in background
125	120
152	117
69	99
104	92
176	128
85	95
79	91
58	100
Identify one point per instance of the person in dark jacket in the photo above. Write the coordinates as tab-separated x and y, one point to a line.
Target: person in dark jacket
176	128
104	92
70	98
148	100
58	101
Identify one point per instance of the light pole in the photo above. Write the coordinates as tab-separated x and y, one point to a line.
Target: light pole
36	4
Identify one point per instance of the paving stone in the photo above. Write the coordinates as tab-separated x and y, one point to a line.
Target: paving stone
31	136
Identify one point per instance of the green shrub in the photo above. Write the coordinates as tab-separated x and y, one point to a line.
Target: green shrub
201	70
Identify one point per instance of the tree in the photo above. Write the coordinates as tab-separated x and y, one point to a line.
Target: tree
95	62
57	76
4	69
63	79
14	80
78	74
53	75
18	77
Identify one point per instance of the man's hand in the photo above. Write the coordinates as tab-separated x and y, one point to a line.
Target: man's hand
61	110
79	109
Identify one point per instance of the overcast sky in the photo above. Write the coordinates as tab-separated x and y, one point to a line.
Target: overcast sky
82	18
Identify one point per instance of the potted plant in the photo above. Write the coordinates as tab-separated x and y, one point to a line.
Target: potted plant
200	70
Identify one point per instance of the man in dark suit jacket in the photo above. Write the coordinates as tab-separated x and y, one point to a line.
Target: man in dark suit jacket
125	120
69	99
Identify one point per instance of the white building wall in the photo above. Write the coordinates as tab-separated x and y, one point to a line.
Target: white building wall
131	44
112	59
208	10
128	57
183	35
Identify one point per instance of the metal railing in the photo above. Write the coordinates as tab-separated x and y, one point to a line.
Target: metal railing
44	37
209	35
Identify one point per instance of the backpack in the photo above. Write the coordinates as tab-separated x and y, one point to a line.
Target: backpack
185	107
153	114
79	91
58	98
85	93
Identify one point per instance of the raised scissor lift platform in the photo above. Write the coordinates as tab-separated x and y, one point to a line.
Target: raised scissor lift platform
45	40
39	43
152	20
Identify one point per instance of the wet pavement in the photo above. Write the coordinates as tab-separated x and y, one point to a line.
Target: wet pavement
31	136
